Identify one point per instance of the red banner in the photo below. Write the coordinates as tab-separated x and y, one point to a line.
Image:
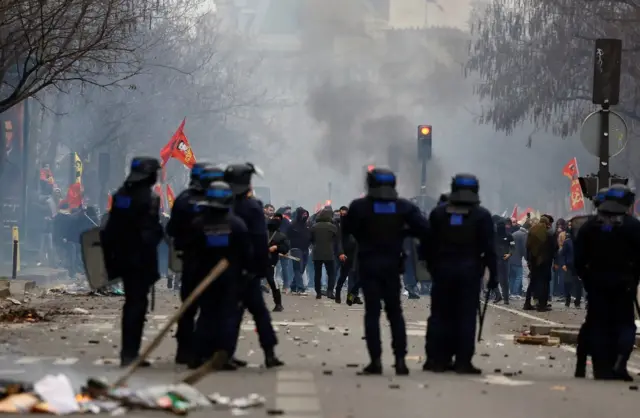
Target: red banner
179	148
576	199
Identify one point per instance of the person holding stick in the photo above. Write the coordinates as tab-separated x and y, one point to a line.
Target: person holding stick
218	234
250	210
130	244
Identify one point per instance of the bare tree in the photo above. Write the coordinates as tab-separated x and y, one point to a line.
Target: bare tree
198	72
532	60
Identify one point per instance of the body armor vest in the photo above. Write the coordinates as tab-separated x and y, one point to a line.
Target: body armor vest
460	230
385	223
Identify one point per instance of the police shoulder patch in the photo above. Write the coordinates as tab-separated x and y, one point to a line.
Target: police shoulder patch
217	240
384	208
455	219
122	202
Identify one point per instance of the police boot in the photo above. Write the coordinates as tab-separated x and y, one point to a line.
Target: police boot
357	300
270	359
183	355
350	299
581	368
401	367
466	368
338	296
437	367
277	299
620	369
374	368
237	362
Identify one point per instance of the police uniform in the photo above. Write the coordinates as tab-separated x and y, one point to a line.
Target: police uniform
607	259
130	241
251	297
380	222
220	235
180	228
582	349
462	244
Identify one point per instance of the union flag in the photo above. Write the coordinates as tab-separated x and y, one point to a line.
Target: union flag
179	148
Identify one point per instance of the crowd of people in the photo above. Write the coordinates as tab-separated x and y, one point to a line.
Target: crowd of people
543	253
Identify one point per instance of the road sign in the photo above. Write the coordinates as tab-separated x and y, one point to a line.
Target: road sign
590	134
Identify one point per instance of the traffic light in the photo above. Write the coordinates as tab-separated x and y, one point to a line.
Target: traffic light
424	142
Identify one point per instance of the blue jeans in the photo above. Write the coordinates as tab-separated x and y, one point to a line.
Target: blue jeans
298	268
285	268
557	283
409	277
515	279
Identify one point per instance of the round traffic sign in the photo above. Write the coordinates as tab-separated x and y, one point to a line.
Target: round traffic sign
590	134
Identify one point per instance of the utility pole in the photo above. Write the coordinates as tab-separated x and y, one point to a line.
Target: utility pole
598	127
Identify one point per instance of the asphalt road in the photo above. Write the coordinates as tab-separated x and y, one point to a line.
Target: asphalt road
321	343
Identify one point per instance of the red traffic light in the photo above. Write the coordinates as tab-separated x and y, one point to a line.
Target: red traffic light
425	130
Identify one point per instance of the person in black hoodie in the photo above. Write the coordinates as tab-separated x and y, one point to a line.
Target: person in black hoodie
278	244
299	236
504	249
325	239
348	266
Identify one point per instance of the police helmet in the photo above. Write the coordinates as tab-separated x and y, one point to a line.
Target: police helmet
218	196
143	168
209	175
196	170
599	198
381	184
464	189
239	177
617	200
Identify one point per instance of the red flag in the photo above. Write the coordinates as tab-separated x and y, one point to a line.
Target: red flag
179	148
74	196
571	169
576	199
514	213
171	197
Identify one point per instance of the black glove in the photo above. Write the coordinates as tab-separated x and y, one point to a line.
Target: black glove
492	284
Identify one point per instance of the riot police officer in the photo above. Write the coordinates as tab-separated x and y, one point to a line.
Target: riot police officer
220	235
130	243
607	259
462	244
379	222
180	228
249	210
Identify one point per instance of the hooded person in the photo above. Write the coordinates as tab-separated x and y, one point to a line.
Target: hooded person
299	235
541	250
278	245
504	250
325	238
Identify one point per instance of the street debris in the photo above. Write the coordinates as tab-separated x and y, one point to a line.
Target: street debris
77	289
22	315
528	339
54	394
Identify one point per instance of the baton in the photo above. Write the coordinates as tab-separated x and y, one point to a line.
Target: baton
290	257
483	313
213	275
